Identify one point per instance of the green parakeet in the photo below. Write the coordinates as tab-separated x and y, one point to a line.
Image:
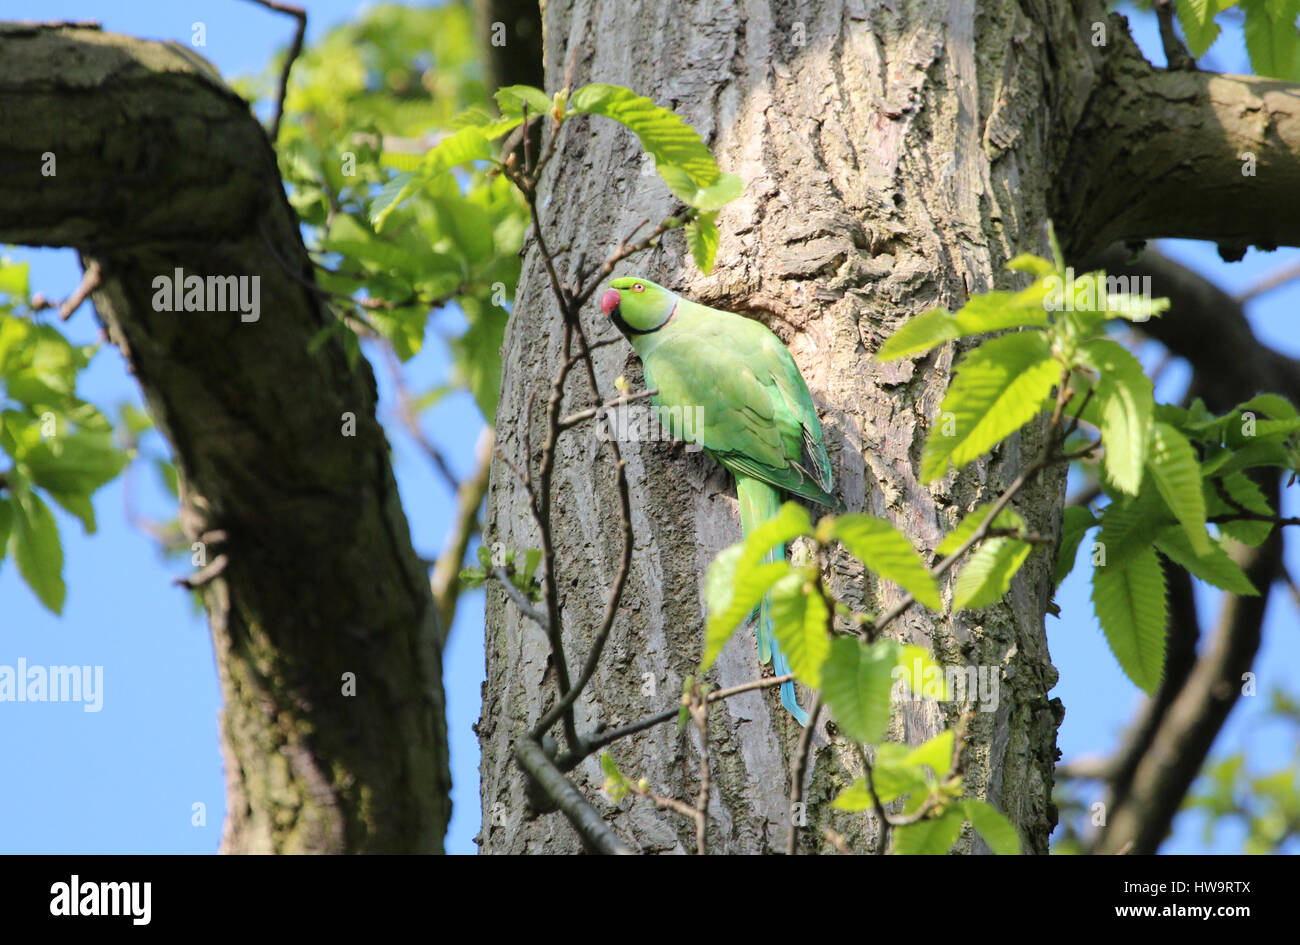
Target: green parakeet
756	417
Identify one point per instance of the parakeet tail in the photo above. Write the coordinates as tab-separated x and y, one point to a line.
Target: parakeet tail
758	503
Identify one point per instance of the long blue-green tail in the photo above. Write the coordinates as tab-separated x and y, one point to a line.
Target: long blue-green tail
758	503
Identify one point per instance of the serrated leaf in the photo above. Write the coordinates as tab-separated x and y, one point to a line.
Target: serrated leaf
1278	408
888	553
1007	518
732	589
919	334
1244	493
986	575
34	543
996	830
702	238
895	776
1129	525
1126	406
932	836
1271	38
1036	266
1196	17
1075	525
799	620
993	311
935	754
1177	474
662	133
704	198
511	99
1214	566
1000	386
857	680
1129	600
855	797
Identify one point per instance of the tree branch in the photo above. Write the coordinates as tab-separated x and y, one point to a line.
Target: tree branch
1149	137
586	820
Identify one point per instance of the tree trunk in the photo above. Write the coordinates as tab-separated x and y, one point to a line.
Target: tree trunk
895	156
333	727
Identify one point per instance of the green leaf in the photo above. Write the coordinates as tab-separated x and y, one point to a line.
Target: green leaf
511	99
857	680
1007	518
925	331
888	553
1177	474
896	775
799	620
855	797
1271	38
662	132
1196	17
1246	494
1036	266
996	830
1000	386
460	147
73	463
921	672
1214	565
732	590
1279	408
704	198
616	784
1126	405
1129	525
79	505
394	192
935	754
702	238
35	545
1078	520
932	836
6	523
13	278
993	311
1129	599
988	571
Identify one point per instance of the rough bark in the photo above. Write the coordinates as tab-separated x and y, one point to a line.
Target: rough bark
1175	153
161	167
893	161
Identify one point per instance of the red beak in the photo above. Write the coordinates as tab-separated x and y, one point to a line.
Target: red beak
609	301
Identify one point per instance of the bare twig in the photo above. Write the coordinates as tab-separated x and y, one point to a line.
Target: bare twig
468	499
520	599
586	820
800	765
295	50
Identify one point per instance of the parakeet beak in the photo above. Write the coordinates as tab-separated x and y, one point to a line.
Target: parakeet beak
609	301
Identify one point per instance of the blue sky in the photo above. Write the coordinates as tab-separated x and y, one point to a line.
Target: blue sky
126	779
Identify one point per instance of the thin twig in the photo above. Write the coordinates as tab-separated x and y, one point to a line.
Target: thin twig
586	820
295	50
800	766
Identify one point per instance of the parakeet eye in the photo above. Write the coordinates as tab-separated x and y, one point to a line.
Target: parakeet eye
638	287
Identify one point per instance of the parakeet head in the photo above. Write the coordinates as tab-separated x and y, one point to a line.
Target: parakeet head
637	306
